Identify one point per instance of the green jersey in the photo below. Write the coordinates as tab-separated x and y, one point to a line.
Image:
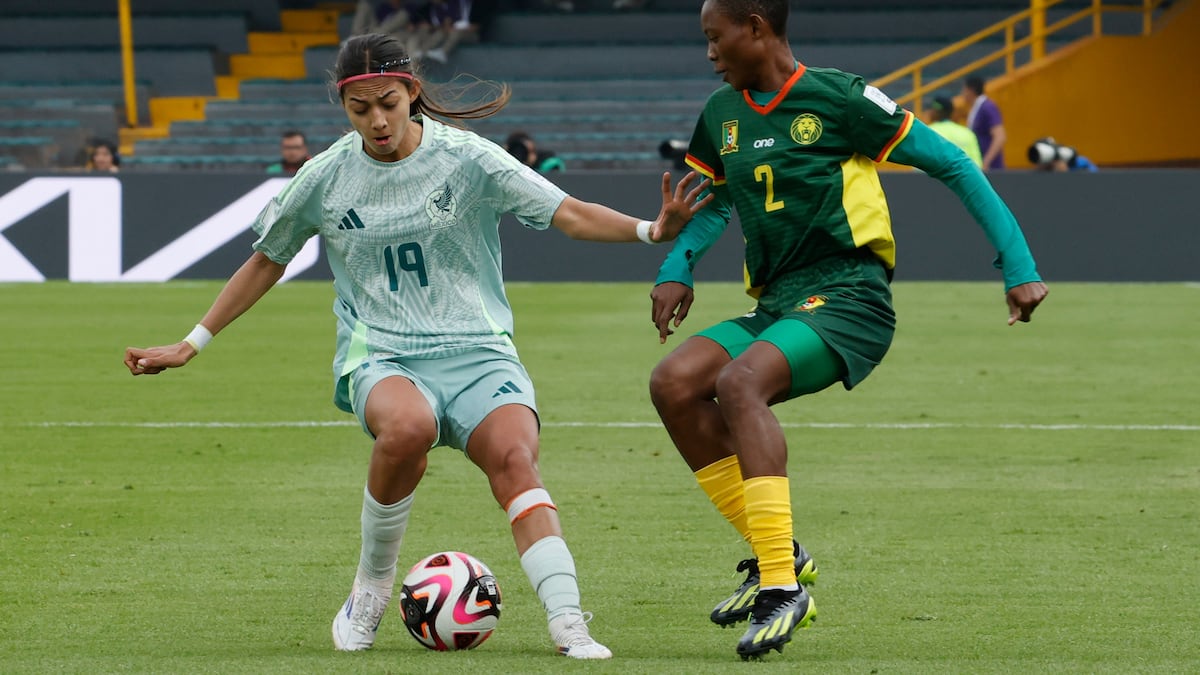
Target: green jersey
801	171
414	245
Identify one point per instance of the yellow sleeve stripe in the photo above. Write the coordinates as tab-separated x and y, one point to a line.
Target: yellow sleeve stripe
901	134
704	170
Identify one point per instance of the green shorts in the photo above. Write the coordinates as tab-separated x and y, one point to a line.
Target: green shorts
461	389
846	302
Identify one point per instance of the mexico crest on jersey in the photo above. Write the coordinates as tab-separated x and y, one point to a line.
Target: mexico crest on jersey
806	128
441	206
729	137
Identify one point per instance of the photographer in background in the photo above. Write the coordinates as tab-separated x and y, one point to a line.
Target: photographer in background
1048	155
522	146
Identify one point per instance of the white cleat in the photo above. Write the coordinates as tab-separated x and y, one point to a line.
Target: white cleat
570	633
355	625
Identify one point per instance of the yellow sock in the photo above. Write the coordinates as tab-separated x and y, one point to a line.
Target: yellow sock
722	482
769	517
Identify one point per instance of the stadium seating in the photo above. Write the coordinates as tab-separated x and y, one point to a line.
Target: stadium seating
601	89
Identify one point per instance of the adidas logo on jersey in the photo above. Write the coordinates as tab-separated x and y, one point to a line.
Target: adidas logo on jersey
350	221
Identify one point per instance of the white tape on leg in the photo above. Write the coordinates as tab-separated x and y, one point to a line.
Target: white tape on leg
523	504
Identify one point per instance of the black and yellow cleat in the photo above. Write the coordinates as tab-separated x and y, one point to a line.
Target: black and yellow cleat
775	616
737	606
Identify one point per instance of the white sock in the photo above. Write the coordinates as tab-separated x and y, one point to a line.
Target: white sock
382	531
551	571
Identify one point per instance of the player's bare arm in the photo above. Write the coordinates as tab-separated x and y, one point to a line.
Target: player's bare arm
253	279
595	222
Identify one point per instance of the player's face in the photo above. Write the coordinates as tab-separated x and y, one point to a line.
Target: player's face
734	48
379	109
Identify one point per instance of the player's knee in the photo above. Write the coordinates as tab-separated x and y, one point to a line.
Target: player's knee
671	384
403	440
737	383
515	459
512	468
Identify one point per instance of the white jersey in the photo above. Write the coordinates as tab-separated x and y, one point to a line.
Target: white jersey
414	245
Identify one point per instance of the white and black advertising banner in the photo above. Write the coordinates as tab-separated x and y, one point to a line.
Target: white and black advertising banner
150	227
155	227
133	228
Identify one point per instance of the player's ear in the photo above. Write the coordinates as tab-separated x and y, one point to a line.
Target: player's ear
414	90
758	26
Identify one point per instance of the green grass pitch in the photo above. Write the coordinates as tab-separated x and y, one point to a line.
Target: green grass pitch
991	500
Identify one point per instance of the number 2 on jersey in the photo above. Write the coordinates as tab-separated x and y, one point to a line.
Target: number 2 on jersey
407	258
763	173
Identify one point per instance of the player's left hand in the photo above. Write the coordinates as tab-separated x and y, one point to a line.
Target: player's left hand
1023	299
679	205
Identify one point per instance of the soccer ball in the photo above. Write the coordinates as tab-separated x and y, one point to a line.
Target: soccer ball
450	601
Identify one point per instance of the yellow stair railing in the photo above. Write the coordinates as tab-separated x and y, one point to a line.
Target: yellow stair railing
1034	20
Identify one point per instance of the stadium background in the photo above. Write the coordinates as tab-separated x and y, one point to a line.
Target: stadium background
216	83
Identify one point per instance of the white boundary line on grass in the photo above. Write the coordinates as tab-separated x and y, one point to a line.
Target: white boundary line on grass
301	424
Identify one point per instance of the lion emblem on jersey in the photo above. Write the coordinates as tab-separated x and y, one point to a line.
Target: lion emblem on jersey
806	128
441	206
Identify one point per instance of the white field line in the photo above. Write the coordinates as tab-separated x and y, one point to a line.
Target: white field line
901	426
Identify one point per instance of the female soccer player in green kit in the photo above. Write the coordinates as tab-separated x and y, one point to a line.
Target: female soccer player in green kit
793	149
408	209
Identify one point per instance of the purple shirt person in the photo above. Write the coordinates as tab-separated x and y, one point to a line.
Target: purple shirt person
985	120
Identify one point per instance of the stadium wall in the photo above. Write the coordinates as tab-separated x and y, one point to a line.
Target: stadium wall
1109	226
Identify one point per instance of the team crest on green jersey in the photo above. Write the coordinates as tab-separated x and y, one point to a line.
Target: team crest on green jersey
729	137
806	128
811	304
441	206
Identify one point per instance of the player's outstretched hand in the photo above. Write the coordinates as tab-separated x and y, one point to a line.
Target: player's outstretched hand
154	360
669	305
1023	299
679	205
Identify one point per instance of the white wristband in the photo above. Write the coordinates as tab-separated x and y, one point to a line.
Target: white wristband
643	231
198	338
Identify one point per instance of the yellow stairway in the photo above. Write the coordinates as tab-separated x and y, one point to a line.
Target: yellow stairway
280	56
272	55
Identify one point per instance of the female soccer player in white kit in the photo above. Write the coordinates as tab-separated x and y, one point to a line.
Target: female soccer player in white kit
408	208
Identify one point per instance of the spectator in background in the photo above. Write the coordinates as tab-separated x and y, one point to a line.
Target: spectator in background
439	26
1049	155
985	120
293	153
104	157
522	146
482	15
941	111
389	16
